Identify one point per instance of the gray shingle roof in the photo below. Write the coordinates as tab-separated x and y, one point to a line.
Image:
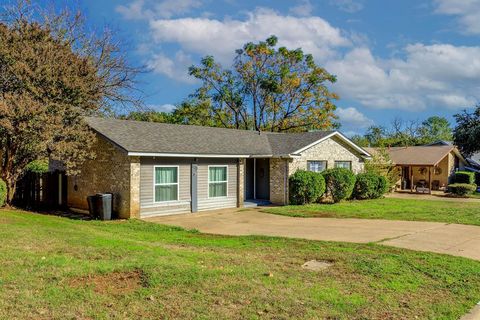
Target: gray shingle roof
149	137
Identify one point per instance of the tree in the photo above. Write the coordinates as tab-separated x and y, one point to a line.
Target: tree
52	75
267	89
381	164
466	134
434	129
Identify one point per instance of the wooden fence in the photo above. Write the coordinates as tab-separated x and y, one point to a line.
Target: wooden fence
47	191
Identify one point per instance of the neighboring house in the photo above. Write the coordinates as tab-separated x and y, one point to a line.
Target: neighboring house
155	168
425	168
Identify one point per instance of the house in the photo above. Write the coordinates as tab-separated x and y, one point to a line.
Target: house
157	168
425	168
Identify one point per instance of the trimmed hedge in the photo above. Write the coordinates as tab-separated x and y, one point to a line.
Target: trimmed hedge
3	192
382	187
464	177
462	189
365	186
339	183
370	186
306	187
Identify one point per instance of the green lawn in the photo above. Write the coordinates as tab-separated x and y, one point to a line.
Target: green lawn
391	209
56	268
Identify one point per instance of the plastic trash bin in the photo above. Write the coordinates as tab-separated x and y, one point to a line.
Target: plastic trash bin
103	205
92	206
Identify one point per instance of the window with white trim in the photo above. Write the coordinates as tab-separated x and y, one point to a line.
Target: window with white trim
166	183
217	181
343	164
317	165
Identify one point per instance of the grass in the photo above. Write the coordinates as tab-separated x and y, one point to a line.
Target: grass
390	209
475	195
56	268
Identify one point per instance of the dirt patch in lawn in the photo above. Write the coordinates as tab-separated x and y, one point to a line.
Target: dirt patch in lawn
116	283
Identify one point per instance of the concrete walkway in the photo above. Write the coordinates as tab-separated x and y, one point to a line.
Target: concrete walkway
453	239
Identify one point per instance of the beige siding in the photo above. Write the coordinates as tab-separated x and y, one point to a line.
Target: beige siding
206	203
330	150
148	205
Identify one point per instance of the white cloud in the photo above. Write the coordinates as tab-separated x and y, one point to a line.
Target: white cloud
146	10
440	75
303	8
467	11
220	38
163	108
352	118
350	6
175	68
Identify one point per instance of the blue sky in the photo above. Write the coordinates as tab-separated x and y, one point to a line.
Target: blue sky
406	58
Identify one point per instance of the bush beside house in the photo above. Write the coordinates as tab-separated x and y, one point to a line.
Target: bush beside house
339	183
3	193
306	187
370	186
464	183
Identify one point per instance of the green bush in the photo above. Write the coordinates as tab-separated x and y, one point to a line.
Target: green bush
3	192
366	186
38	166
382	187
306	187
464	177
339	183
370	186
462	189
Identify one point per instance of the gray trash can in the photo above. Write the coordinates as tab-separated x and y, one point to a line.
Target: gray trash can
103	206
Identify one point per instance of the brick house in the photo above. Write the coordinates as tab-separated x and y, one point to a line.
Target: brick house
156	168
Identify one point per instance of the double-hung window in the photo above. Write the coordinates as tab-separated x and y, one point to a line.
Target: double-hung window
343	164
217	181
316	166
166	183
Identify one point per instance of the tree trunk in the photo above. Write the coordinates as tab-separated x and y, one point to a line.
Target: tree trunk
11	188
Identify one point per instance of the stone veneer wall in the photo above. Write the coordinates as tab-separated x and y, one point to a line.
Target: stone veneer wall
111	171
279	181
331	150
240	182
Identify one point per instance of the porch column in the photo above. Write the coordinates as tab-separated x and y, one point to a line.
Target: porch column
430	180
411	178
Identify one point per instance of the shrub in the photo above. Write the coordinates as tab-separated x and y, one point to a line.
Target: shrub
462	189
366	186
370	186
306	187
339	183
38	166
464	177
382	187
3	192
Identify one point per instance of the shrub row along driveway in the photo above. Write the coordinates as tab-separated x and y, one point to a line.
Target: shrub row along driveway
453	239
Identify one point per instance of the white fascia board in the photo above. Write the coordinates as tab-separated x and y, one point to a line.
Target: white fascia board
186	155
345	139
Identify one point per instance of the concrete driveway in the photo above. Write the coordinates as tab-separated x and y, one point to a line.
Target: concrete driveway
453	239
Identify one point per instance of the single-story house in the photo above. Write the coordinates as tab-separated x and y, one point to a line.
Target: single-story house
157	168
425	168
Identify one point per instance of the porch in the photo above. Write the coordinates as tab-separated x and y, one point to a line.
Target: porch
257	182
422	179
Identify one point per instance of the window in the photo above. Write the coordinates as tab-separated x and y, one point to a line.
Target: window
217	181
343	164
166	183
316	166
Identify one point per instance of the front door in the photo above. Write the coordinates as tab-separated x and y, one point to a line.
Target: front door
262	179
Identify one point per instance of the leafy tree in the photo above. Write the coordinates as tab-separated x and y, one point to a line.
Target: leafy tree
151	116
267	89
434	129
466	134
381	164
51	75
